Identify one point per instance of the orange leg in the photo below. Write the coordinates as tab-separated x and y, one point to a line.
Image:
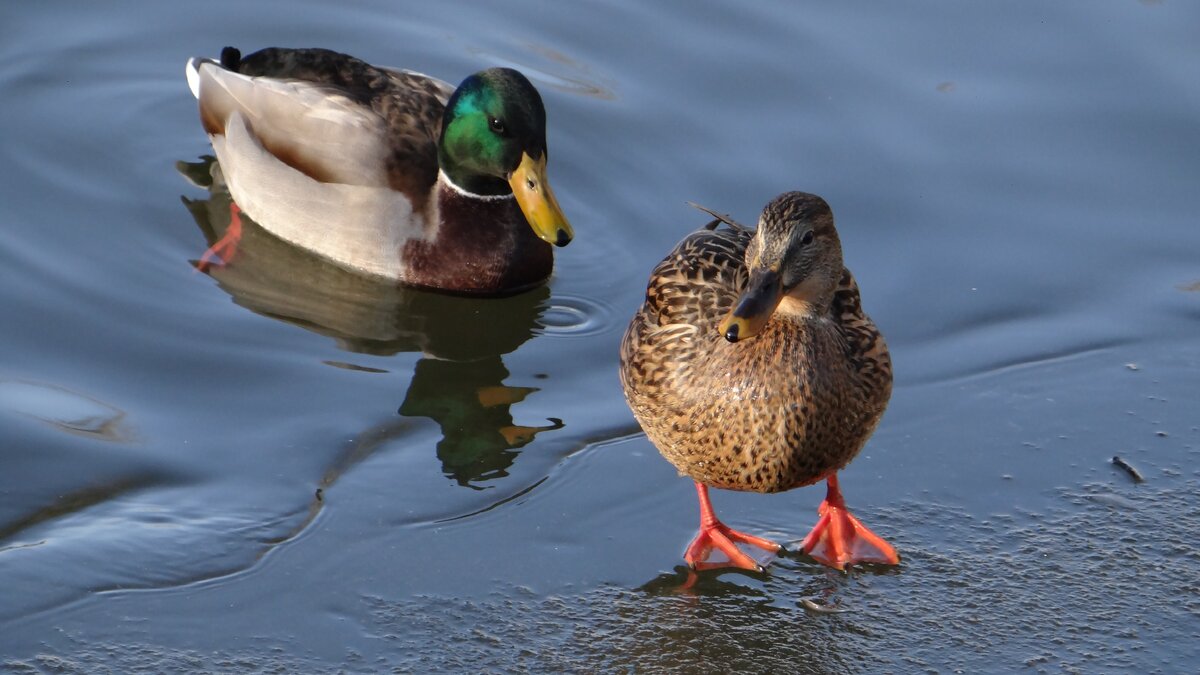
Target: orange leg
839	539
715	534
226	246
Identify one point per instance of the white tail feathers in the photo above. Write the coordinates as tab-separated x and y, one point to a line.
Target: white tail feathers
193	74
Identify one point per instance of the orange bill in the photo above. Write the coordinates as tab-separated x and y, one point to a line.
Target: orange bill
537	201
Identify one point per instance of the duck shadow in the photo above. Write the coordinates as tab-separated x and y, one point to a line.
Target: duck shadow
458	382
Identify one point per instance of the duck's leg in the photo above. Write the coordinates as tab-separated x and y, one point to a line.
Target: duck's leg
715	534
839	539
226	246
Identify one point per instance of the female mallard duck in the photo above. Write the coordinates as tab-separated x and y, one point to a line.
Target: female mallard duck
387	172
785	409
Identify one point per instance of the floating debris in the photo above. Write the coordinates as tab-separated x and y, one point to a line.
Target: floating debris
1131	366
822	609
1129	469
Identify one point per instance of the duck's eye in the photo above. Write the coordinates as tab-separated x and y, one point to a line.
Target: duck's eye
807	238
497	125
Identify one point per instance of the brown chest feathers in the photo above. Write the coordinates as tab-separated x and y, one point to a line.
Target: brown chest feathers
481	247
771	413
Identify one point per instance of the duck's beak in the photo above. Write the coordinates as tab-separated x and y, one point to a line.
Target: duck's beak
754	308
537	201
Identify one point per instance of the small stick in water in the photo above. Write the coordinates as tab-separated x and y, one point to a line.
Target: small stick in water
1133	473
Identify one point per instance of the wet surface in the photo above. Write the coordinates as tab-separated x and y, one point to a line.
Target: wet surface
277	465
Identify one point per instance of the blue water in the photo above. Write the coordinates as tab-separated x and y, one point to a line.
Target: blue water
279	466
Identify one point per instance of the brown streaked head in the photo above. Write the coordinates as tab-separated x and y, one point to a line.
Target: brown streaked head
795	256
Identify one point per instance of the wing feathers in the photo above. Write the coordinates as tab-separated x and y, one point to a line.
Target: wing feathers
362	227
308	126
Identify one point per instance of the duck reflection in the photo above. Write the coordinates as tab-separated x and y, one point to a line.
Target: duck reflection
479	440
459	383
747	621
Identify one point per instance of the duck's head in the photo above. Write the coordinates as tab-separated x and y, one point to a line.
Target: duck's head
794	261
494	143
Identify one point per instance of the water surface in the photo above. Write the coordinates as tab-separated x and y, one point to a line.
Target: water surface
280	466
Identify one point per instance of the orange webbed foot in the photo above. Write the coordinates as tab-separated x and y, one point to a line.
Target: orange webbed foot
226	246
722	537
839	539
715	534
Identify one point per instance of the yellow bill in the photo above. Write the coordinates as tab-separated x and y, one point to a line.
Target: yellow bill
755	307
537	201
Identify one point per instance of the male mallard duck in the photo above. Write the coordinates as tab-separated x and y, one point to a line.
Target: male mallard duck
751	366
387	172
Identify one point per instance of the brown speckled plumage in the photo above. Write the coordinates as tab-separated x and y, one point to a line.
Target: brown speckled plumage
777	411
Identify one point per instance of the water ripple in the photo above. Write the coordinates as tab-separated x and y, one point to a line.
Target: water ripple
65	410
580	82
575	316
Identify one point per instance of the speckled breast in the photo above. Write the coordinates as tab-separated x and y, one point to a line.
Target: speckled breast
756	415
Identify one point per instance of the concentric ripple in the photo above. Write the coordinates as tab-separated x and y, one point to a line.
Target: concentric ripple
575	316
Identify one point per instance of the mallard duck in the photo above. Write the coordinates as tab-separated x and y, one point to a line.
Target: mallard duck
752	366
387	172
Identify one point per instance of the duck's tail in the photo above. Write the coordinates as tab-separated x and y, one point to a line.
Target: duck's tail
193	74
231	58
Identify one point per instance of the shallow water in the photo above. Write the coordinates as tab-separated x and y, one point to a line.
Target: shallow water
281	466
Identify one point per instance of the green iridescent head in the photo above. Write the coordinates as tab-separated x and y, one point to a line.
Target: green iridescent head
494	143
